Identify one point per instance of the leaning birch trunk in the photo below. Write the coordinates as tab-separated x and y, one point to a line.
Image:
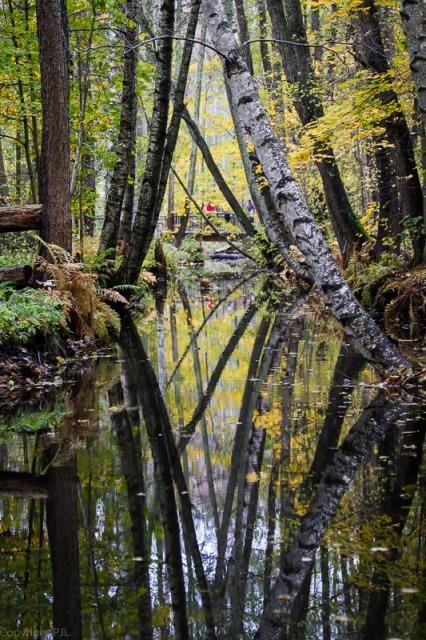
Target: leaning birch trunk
290	206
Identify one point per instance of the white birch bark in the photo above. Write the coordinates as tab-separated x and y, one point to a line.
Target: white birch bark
291	208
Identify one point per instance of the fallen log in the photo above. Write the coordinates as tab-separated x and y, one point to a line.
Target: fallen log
20	217
23	485
20	274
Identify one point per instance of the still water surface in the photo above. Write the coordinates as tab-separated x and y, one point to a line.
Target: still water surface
231	470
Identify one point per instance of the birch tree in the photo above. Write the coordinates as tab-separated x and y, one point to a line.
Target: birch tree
291	210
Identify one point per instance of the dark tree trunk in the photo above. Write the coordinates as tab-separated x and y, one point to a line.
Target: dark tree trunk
180	234
170	219
18	165
128	208
62	529
372	54
126	137
244	33
145	220
54	176
389	223
4	190
287	24
178	107
88	184
23	107
193	158
128	437
291	211
168	469
272	71
413	22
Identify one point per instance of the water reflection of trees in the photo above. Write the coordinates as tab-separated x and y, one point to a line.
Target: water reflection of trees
271	548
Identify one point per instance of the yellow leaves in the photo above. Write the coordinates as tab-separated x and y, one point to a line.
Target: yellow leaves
250	146
263	183
355	114
161	616
270	421
302	155
252	477
367	220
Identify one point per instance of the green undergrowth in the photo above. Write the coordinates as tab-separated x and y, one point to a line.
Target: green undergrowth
397	293
28	314
366	278
17	248
190	252
30	422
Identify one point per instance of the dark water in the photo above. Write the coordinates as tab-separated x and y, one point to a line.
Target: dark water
232	470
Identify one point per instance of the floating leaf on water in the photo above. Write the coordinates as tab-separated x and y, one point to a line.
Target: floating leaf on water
378	549
343	618
409	590
116	408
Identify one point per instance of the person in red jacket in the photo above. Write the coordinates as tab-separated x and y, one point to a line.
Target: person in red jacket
210	208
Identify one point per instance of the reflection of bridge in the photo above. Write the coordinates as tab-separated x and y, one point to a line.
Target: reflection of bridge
198	228
215	237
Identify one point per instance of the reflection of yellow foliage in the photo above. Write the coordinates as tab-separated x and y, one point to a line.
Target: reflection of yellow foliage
252	477
270	421
161	616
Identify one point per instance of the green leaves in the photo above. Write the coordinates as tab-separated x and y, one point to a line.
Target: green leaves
29	313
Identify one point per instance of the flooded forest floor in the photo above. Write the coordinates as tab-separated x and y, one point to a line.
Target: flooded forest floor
230	468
